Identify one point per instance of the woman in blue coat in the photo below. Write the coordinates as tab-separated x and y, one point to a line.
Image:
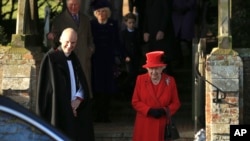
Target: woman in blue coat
106	39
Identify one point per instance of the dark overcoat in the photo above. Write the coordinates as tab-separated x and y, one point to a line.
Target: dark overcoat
131	43
107	44
184	14
84	44
157	17
54	96
147	128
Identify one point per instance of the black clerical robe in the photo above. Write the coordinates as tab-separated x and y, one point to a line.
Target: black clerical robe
54	96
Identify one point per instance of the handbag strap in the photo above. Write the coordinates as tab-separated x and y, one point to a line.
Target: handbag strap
169	117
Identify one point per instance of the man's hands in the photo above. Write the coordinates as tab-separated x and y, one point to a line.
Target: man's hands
146	37
51	36
159	36
75	104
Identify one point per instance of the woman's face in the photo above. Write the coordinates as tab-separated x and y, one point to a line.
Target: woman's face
101	14
155	72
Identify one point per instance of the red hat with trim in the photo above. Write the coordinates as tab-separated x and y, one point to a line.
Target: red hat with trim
154	59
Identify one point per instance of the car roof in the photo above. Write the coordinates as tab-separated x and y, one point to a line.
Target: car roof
11	107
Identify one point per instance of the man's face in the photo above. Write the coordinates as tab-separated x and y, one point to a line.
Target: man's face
68	42
73	6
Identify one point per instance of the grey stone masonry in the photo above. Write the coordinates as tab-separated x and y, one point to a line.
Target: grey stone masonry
18	73
224	76
222	108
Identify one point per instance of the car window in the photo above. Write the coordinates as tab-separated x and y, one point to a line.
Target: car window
15	129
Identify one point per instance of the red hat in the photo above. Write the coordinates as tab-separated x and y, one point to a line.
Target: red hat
154	59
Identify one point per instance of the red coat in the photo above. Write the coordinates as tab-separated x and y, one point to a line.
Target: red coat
147	128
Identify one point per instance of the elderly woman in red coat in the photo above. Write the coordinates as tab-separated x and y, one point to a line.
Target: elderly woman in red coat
155	97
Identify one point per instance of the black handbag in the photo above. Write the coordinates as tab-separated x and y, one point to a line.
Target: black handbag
171	132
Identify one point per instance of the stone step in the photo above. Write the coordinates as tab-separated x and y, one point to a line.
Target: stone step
121	127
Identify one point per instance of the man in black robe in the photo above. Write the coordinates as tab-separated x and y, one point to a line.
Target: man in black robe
63	95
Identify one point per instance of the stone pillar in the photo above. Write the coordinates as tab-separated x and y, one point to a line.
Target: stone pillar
20	17
18	74
224	33
223	75
222	106
19	63
26	25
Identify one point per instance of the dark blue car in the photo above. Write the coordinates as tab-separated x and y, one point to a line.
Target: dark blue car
19	124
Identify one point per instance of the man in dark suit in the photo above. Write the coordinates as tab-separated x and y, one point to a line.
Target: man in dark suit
72	17
184	14
63	95
158	30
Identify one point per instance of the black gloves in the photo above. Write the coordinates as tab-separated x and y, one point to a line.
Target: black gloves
156	112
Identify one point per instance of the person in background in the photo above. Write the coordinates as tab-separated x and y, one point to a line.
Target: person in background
85	8
139	6
63	97
105	33
117	11
72	17
184	15
158	31
155	98
130	39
